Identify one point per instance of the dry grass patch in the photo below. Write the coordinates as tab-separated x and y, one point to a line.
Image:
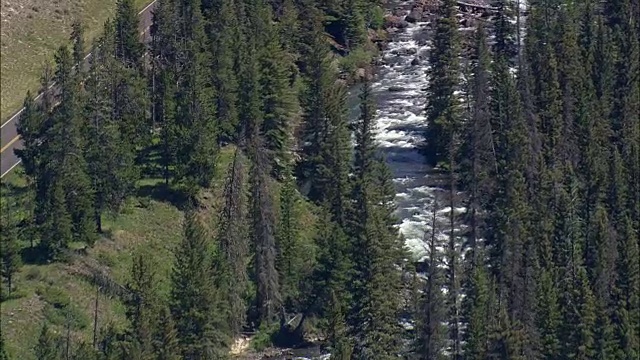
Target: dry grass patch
31	31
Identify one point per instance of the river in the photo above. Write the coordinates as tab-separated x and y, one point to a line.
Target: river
400	99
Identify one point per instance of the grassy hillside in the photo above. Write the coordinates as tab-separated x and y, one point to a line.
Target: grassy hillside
151	223
31	30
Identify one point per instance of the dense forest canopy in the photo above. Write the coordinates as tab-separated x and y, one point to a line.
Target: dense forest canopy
534	121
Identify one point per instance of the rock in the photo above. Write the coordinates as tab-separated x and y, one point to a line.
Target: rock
396	88
399	12
363	74
405	51
415	62
391	21
415	15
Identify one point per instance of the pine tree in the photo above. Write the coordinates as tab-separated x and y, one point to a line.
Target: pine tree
505	46
10	259
77	39
63	210
48	346
355	29
338	336
250	107
333	270
548	319
477	335
627	295
431	331
30	127
224	32
324	139
600	264
478	159
279	104
197	129
263	222
233	244
576	298
288	27
165	342
290	256
377	278
66	144
129	49
195	304
163	80
109	154
141	307
443	113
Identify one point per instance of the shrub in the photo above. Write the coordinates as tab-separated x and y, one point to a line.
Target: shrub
264	337
33	273
358	58
71	315
375	18
55	296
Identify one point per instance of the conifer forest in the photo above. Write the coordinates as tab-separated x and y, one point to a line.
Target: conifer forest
529	127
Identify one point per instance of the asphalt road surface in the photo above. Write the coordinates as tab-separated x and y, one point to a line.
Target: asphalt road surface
9	138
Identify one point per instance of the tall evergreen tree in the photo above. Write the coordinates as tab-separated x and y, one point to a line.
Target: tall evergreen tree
30	127
165	338
196	306
77	39
10	259
233	244
163	52
65	186
197	129
334	266
443	113
377	277
225	33
431	339
279	104
141	306
109	154
48	346
263	222
128	48
290	254
478	164
325	139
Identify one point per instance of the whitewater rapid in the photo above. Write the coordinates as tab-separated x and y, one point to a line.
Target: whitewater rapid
399	90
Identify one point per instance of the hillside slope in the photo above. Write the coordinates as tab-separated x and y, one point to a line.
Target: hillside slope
32	30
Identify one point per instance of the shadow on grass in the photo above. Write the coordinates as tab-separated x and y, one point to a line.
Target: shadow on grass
33	256
150	160
162	192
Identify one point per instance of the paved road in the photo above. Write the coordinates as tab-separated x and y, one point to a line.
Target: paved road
9	139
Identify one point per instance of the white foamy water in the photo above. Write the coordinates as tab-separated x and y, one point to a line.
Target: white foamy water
400	124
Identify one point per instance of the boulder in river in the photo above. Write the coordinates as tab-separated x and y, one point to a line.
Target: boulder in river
415	15
397	22
396	88
415	62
